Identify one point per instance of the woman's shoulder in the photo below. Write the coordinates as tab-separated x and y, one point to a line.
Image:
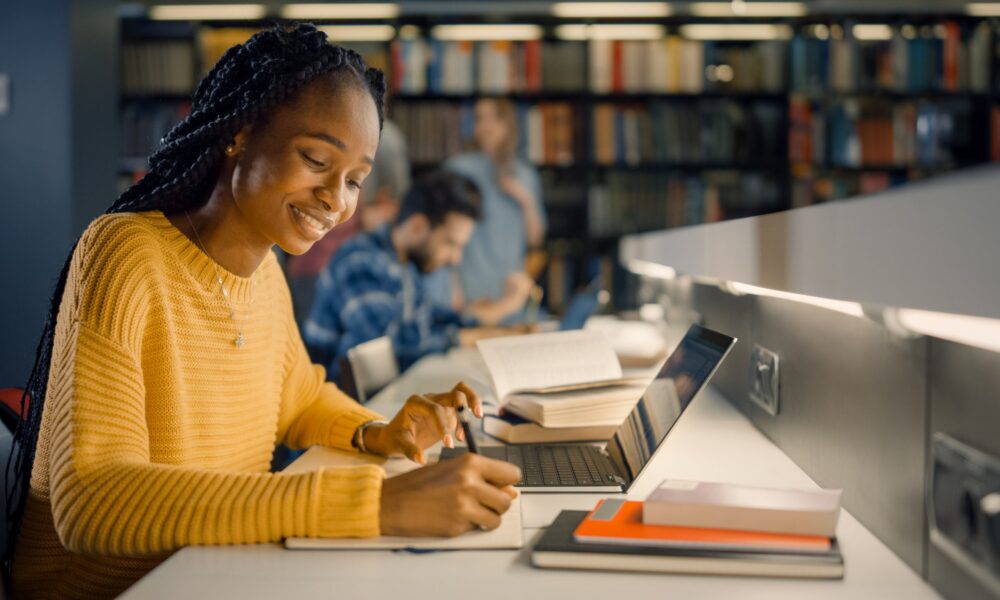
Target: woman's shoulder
119	241
118	229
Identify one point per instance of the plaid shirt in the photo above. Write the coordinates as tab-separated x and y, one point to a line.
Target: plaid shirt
365	293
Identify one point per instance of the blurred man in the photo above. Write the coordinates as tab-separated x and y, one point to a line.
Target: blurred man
375	284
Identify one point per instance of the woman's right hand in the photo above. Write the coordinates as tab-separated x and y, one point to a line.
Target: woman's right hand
448	498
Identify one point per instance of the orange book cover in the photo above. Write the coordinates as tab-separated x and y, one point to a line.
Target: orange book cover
617	68
621	523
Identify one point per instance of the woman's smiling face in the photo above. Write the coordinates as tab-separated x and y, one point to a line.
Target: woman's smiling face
298	173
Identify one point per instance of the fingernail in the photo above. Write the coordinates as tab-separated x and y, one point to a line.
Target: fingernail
448	442
479	412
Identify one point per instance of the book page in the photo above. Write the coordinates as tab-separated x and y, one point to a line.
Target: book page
544	360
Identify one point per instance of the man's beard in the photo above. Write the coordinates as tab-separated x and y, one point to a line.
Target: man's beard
419	257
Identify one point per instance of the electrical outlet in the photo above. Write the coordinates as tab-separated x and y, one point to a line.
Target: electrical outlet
4	93
963	500
764	379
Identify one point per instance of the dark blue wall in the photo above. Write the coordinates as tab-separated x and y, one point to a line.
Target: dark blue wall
58	146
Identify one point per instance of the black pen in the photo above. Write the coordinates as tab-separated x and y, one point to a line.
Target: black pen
465	418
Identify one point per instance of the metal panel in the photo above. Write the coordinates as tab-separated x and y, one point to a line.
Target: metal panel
879	249
853	405
964	394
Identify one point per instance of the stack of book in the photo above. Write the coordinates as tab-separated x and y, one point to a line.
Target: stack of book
145	123
158	67
561	386
420	66
711	131
871	132
939	58
674	65
702	528
547	131
629	201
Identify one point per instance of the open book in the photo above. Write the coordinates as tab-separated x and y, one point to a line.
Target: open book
560	379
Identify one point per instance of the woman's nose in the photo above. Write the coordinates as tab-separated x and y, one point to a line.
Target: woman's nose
332	199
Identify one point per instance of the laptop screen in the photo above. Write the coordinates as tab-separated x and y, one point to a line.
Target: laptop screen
668	395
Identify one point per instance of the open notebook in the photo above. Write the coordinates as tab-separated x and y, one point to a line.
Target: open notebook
507	536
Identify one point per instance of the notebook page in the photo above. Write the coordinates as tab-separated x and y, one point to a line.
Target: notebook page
543	360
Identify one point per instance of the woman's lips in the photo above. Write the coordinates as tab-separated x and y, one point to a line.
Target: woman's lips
313	227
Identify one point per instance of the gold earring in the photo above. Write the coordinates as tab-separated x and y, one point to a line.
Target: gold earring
231	150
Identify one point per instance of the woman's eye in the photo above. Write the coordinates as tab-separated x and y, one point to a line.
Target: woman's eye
354	184
310	160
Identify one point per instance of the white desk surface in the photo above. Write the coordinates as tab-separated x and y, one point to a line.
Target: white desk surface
712	441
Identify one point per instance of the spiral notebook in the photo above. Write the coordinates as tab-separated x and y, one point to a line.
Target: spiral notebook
508	536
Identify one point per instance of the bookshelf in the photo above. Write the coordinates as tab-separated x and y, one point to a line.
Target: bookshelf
639	135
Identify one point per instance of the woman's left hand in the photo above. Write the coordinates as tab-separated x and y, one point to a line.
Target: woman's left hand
424	420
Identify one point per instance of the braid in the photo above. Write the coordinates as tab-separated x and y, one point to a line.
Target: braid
244	87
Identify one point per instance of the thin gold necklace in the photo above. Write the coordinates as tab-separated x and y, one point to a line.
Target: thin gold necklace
240	338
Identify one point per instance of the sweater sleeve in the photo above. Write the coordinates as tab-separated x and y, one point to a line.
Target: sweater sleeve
314	411
109	498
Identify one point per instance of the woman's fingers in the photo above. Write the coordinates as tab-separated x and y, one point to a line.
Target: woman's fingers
493	498
499	473
483	517
460	395
425	413
472	399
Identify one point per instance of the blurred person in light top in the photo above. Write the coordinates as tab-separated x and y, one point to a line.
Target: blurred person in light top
513	218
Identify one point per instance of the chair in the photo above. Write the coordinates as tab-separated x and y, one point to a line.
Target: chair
10	410
10	407
369	368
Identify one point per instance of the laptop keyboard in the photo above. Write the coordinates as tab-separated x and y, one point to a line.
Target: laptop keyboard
558	465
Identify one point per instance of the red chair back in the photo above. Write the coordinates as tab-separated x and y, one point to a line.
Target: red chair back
10	406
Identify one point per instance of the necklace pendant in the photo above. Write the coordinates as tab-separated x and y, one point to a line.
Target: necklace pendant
240	340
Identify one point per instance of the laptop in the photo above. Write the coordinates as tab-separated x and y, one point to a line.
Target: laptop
582	305
582	467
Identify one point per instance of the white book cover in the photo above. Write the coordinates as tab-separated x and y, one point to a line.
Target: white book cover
414	66
633	66
657	65
600	66
747	508
550	362
692	77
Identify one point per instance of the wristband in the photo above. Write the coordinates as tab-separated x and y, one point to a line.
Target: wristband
359	434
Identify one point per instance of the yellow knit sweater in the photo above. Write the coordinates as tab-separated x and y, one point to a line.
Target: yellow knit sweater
158	431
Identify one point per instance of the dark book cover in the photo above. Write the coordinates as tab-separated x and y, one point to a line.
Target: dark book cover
558	549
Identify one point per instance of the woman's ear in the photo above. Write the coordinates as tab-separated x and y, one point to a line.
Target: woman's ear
239	142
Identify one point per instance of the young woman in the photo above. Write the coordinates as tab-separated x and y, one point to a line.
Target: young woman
513	215
171	365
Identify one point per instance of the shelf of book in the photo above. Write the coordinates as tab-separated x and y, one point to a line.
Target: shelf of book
638	135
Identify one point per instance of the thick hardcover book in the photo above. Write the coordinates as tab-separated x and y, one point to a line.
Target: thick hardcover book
748	508
557	549
616	521
516	430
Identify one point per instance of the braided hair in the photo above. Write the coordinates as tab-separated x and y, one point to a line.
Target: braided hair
243	88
